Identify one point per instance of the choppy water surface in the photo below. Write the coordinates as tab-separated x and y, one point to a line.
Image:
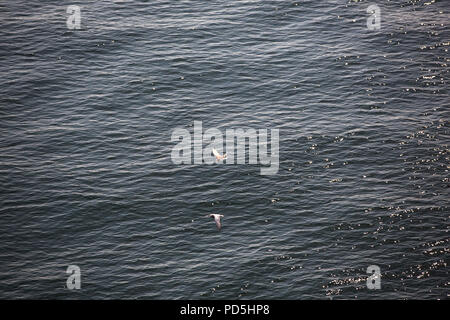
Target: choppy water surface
87	179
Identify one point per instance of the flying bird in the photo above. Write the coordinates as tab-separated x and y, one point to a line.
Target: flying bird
217	219
218	155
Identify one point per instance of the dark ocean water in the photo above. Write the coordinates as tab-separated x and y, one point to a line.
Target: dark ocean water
87	178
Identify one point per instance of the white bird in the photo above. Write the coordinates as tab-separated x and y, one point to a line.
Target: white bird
218	155
217	219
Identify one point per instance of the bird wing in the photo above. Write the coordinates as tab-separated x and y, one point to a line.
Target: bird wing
217	220
215	152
